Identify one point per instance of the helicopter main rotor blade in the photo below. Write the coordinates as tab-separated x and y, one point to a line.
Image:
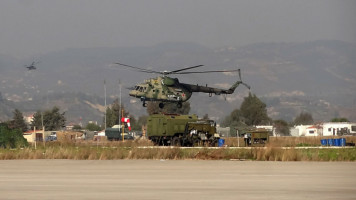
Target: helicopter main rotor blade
175	71
215	71
157	72
139	69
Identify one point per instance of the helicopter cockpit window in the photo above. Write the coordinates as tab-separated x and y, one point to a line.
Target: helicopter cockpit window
141	89
137	87
212	123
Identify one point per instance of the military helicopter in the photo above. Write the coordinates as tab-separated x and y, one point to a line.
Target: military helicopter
167	89
32	66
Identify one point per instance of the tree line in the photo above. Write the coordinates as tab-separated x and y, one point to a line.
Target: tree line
252	112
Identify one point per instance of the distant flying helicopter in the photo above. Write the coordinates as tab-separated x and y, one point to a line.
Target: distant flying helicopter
166	89
32	66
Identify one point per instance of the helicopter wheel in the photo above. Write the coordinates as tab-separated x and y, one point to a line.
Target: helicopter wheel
144	104
179	105
161	105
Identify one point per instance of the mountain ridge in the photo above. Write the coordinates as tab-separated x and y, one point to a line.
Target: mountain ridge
312	72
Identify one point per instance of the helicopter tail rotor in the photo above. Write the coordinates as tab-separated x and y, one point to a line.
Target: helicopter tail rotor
241	82
248	86
237	83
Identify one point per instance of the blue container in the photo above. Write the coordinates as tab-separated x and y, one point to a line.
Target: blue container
324	142
343	142
337	142
330	142
221	142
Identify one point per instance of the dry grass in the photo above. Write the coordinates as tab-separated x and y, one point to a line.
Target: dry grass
276	154
105	150
113	153
287	141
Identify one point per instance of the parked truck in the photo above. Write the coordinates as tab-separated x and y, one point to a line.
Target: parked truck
181	130
113	134
255	137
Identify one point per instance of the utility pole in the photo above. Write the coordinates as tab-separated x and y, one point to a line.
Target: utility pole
105	104
238	137
123	125
34	130
120	105
43	131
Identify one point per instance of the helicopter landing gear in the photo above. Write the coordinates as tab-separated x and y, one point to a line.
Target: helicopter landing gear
143	99
179	105
161	105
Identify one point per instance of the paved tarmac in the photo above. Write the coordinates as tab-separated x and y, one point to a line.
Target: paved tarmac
170	179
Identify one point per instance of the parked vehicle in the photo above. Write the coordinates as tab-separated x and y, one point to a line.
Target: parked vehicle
51	138
116	134
255	136
181	130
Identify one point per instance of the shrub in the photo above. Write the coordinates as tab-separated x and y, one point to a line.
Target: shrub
11	138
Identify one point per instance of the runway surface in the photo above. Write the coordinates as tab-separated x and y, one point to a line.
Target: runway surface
170	179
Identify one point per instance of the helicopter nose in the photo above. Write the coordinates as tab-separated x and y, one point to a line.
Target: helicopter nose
133	93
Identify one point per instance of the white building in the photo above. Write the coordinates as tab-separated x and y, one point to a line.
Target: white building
28	118
325	129
333	128
315	130
306	130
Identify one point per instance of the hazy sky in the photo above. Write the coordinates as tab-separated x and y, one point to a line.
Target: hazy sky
32	27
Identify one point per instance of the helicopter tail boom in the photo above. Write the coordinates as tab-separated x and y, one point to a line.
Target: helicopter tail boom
235	85
216	91
211	90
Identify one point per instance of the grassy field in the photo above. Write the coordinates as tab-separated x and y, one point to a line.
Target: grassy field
288	141
143	149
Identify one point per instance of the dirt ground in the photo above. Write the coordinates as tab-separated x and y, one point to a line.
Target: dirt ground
170	179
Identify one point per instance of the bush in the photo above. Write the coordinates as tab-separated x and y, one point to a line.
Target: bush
11	138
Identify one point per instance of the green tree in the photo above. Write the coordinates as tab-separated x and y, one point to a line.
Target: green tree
133	123
137	124
142	120
52	119
282	127
18	121
254	111
235	116
206	116
234	120
153	107
77	127
342	119
304	118
111	118
11	138
113	113
93	127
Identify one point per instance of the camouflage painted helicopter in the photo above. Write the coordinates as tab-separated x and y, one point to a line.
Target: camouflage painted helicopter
167	89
